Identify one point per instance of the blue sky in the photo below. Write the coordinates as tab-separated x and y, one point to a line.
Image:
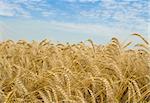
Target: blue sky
73	20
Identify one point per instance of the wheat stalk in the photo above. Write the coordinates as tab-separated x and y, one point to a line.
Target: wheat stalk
37	72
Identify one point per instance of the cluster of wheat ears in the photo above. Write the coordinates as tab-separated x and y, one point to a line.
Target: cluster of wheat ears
45	72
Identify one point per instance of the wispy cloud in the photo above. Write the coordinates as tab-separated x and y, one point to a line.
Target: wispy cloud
94	17
20	8
63	31
120	11
127	10
85	1
127	14
71	1
82	1
8	9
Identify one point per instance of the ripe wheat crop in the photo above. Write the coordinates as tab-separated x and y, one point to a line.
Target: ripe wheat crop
45	72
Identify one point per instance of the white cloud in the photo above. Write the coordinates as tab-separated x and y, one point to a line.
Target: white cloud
94	29
61	31
71	1
91	1
82	1
112	8
121	14
14	7
8	9
127	17
48	13
26	1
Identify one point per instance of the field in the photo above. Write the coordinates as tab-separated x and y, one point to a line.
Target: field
45	72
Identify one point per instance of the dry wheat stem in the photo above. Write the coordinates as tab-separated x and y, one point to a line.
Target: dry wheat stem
45	72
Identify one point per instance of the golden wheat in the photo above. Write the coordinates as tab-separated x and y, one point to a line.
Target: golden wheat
44	72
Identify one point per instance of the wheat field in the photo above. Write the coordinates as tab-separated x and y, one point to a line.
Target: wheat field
46	72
